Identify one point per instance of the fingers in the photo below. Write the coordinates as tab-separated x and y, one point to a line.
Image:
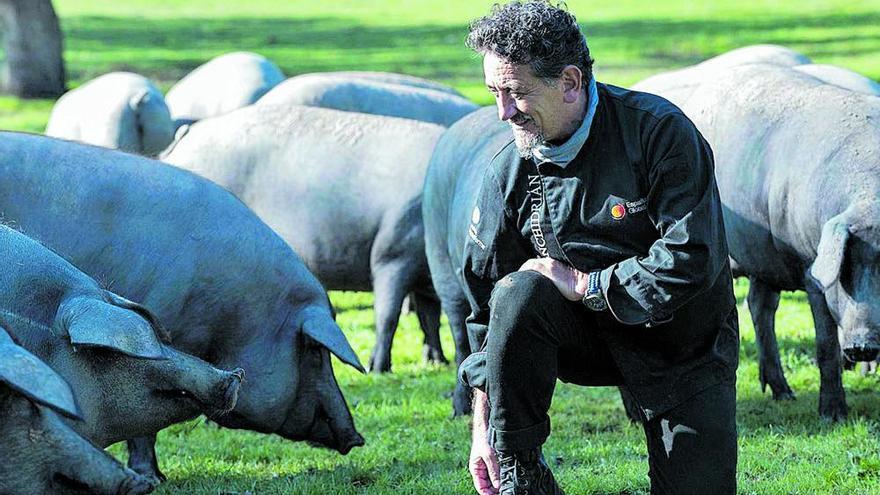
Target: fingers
494	470
563	276
481	475
538	265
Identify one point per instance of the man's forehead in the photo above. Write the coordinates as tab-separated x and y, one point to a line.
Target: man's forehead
498	70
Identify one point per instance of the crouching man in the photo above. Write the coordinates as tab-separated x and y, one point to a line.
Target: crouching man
602	261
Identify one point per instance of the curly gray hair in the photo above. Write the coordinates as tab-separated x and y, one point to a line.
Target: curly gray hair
538	33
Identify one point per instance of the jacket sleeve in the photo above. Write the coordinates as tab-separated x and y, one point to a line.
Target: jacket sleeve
492	250
684	205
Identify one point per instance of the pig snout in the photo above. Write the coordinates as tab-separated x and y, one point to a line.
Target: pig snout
227	393
859	343
334	433
867	351
333	425
214	389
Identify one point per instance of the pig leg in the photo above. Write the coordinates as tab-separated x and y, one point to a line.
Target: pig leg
142	458
763	303
457	311
389	289
428	311
832	398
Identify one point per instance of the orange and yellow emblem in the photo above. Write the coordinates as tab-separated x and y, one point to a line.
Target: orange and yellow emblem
618	211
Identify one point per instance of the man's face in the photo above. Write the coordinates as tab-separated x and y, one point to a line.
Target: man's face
534	109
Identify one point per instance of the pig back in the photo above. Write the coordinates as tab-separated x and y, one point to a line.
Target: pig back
151	232
791	152
372	96
325	180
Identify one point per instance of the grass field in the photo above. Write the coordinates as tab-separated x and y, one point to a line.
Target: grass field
413	445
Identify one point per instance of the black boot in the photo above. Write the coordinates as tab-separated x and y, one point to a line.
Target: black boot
526	473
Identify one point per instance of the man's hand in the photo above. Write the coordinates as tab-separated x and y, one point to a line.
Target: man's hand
572	284
483	464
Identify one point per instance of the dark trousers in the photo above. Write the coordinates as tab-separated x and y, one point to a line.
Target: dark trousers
536	336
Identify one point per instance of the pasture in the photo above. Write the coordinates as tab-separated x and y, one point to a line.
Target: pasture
413	445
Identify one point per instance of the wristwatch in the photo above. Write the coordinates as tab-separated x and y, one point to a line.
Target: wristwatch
593	298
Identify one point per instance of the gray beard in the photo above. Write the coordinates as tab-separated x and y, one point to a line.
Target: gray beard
526	142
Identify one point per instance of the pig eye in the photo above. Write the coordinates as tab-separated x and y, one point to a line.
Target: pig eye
172	394
99	356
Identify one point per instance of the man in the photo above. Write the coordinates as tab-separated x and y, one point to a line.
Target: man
601	261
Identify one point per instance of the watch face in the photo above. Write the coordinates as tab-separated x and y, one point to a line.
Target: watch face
595	302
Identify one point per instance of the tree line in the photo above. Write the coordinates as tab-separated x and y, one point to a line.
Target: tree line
33	66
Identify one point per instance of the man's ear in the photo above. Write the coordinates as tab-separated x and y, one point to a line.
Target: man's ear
572	83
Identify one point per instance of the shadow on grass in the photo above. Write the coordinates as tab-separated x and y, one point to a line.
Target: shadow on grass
805	347
758	413
167	49
388	476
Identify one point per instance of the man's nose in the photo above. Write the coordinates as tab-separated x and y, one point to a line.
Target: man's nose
506	106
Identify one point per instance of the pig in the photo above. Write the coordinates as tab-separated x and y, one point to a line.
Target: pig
119	110
680	83
226	287
41	453
839	76
452	182
127	380
390	77
355	94
798	169
222	84
343	189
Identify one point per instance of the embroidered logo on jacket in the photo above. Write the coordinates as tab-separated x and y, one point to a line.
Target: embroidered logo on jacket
620	210
536	198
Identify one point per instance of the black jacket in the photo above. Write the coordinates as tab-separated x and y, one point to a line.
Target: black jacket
639	203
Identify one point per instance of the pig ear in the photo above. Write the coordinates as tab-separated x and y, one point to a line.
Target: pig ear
96	323
139	99
327	332
148	315
28	375
829	255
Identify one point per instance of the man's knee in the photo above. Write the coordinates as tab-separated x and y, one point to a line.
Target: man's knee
521	291
519	305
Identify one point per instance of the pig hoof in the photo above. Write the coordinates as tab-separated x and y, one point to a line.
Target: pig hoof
833	410
379	365
433	355
784	393
138	485
147	471
778	386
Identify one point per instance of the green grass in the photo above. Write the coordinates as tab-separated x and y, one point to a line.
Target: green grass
413	445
